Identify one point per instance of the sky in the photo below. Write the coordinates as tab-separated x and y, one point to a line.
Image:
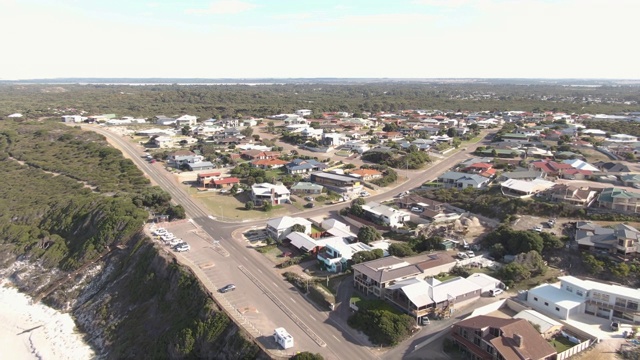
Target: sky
319	38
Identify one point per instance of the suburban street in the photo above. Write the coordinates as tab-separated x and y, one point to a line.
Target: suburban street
271	301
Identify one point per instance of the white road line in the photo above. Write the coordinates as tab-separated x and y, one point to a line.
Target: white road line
336	338
293	300
260	271
274	284
314	319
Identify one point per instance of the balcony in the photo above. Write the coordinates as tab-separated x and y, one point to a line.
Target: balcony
605	305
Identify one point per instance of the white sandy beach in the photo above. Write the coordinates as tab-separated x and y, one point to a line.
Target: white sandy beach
37	331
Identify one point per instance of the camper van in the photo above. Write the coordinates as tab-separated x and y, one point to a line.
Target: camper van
282	337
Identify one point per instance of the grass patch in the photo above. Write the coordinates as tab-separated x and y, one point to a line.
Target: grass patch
376	304
316	230
549	276
561	344
267	248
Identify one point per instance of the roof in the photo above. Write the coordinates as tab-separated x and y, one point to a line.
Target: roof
453	288
269	162
302	241
483	280
267	188
366	172
581	165
546	323
534	185
533	345
344	178
554	294
286	222
522	174
201	164
227	180
208	174
608	194
301	185
594	285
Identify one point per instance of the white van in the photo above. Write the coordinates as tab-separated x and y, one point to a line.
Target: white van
495	292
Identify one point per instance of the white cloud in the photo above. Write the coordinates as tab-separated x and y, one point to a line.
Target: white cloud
224	7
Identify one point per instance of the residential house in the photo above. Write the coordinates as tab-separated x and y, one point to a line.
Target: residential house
619	199
300	166
452	179
186	120
550	167
269	163
337	251
366	174
621	239
226	182
386	215
632	180
279	228
375	276
305	188
615	167
165	121
303	112
333	139
516	138
310	133
259	154
205	178
337	182
72	118
523	175
180	157
269	193
573	195
200	165
488	338
622	138
573	297
524	189
580	165
481	168
546	326
164	142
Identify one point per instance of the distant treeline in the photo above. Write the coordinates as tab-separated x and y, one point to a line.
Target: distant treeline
36	100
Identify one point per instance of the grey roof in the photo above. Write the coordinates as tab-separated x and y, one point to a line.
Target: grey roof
301	185
522	174
201	164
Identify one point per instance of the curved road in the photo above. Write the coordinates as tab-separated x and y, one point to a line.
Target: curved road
345	345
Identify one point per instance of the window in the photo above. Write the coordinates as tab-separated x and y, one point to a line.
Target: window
535	299
476	340
490	349
464	334
604	297
546	303
621	302
569	288
579	293
632	305
596	295
557	308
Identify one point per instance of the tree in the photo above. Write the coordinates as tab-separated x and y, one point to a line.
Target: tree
267	206
364	256
271	126
186	130
176	212
248	131
249	205
390	127
234	189
305	355
452	132
298	228
400	250
515	272
367	234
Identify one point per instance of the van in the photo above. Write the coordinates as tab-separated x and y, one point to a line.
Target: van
495	292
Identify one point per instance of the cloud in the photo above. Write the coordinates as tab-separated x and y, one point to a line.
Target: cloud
224	7
443	3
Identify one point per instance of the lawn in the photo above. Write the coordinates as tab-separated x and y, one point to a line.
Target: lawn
551	274
231	208
561	343
315	229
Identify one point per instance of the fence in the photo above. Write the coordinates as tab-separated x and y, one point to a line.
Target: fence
576	349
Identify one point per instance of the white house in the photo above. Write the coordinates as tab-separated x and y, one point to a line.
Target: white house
186	120
573	296
279	228
622	138
303	112
388	215
15	116
267	192
72	118
337	251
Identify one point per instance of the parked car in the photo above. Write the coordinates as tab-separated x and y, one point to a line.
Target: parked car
470	254
159	231
364	194
227	288
183	247
462	255
615	326
537	228
309	205
174	242
308	198
496	292
417	209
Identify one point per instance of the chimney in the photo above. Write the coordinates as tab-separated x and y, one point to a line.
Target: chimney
519	340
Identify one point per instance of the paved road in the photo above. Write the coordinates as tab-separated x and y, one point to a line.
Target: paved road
262	288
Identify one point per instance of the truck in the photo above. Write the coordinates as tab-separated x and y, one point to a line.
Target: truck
283	338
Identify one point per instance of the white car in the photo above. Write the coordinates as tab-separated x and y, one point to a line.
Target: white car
364	194
174	242
183	247
470	254
167	237
462	255
496	292
417	209
537	228
159	231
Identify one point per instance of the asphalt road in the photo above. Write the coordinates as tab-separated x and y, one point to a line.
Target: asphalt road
312	330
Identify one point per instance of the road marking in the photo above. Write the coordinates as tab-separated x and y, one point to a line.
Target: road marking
211	217
336	338
245	258
293	300
274	284
314	319
260	271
